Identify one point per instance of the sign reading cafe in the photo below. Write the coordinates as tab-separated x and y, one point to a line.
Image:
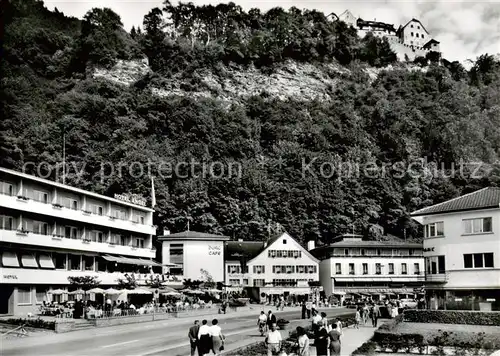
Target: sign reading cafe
214	250
131	198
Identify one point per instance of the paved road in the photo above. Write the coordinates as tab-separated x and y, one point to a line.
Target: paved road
146	339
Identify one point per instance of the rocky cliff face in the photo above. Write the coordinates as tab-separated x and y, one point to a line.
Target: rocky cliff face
291	80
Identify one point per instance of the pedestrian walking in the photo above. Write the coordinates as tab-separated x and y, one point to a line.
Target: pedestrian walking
309	309
273	341
339	326
271	319
366	311
303	342
217	337
193	337
334	336
204	339
357	318
304	309
375	315
321	343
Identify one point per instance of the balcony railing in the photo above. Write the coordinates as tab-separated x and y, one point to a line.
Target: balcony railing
437	278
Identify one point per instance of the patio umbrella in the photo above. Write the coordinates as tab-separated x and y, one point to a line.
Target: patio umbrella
96	291
199	292
171	294
78	291
58	291
112	291
138	291
214	291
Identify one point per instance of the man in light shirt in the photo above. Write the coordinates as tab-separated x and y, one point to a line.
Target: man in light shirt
316	322
273	341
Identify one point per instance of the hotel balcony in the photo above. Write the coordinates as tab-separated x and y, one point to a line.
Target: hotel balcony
47	209
33	239
437	278
60	277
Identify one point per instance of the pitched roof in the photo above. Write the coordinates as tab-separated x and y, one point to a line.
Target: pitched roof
414	19
193	235
366	243
234	250
485	198
430	42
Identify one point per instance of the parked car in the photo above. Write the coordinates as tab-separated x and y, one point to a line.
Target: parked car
409	303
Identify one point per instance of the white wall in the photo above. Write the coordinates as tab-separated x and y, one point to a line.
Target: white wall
455	244
208	255
325	276
417	41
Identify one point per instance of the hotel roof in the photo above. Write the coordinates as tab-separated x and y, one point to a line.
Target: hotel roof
486	198
73	189
370	243
235	250
194	235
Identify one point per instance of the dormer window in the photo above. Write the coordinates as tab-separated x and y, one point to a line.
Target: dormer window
284	241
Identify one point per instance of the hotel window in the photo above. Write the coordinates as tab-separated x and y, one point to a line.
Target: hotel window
365	268
434	230
41	294
378	268
138	242
351	268
101	264
71	232
477	226
363	252
435	265
391	268
311	269
139	218
59	260
290	269
69	203
441	265
40	196
118	213
245	281
95	209
259	282
75	262
234	282
338	268
40	228
23	295
88	263
6	222
379	252
346	252
123	240
259	269
97	236
404	269
416	268
6	188
478	260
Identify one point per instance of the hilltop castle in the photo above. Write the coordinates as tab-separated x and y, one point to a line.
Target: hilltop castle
411	40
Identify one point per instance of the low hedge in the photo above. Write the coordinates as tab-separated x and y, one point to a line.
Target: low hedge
391	324
260	349
452	317
396	342
367	349
32	323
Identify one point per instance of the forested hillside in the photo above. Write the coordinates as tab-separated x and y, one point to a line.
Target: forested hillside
418	136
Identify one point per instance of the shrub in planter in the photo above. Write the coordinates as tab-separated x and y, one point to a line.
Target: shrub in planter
282	323
398	342
391	324
32	323
368	348
260	348
452	317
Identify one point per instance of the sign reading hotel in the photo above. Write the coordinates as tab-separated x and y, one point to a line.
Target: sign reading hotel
214	250
131	198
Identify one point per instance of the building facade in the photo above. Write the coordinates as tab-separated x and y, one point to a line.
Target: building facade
193	252
353	266
413	33
280	266
50	231
462	251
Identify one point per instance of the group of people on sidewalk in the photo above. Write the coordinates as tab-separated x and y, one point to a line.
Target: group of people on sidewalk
366	311
206	338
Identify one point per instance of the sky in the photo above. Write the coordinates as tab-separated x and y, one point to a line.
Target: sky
466	29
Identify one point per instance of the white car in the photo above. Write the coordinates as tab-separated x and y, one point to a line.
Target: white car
409	303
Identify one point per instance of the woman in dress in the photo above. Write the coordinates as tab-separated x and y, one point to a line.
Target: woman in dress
334	341
303	341
217	337
321	343
204	339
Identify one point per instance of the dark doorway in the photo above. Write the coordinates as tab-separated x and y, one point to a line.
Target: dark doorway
5	299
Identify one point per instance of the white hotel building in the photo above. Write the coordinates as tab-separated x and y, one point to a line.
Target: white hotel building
462	250
353	266
50	231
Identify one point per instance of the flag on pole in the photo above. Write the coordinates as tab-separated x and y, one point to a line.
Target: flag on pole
153	197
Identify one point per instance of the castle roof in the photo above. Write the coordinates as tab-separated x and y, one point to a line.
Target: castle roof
428	44
413	20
